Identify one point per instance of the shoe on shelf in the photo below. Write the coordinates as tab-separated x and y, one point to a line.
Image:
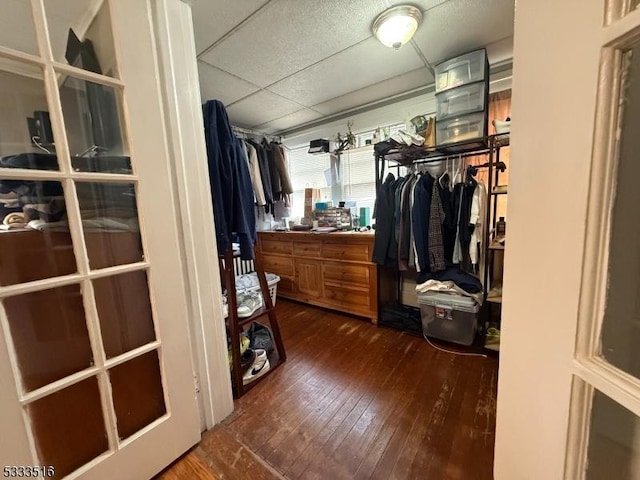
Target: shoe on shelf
247	359
248	303
259	367
492	339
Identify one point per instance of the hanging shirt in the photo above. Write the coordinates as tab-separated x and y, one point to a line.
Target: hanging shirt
254	172
477	219
463	197
435	240
265	174
405	243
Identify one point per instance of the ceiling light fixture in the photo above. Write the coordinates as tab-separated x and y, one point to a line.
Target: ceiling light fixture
396	26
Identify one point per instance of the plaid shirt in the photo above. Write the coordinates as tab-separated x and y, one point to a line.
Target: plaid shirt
435	240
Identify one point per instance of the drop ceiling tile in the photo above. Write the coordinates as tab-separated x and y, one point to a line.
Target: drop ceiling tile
259	108
459	26
360	66
212	19
219	85
289	35
290	121
380	91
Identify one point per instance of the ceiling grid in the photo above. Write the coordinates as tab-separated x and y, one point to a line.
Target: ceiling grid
278	64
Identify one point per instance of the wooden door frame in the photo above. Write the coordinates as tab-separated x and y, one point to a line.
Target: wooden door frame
185	137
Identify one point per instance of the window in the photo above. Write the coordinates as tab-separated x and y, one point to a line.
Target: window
307	171
359	177
358	172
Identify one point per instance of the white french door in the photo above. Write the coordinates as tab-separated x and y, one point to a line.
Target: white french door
95	362
569	388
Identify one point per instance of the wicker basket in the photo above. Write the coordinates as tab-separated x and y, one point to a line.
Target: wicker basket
273	286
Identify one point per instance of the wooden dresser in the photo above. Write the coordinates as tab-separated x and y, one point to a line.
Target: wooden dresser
331	270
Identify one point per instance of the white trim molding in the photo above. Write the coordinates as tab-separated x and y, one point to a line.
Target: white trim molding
185	133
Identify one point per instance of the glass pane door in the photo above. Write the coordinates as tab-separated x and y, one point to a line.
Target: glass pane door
77	308
606	416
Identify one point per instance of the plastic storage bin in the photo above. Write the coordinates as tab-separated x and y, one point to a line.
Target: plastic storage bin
449	317
462	128
468	68
461	101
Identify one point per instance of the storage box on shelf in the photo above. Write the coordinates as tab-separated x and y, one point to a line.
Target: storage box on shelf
463	128
462	99
462	70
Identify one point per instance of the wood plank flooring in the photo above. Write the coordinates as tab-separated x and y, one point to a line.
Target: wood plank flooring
354	401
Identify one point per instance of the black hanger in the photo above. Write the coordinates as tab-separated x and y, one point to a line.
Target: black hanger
471	173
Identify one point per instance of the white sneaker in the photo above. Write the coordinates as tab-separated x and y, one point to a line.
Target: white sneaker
260	366
248	303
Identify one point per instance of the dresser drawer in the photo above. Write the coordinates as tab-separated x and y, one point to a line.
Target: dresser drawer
306	249
356	252
346	274
276	246
348	298
282	266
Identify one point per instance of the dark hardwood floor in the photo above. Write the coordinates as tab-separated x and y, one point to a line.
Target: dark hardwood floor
354	401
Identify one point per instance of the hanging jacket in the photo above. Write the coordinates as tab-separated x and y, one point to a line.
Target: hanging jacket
280	182
420	220
384	209
449	225
281	169
265	174
463	197
231	190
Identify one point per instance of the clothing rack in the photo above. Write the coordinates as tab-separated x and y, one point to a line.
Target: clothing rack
415	155
255	133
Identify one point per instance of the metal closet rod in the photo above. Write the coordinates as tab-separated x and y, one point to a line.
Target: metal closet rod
500	165
451	156
248	131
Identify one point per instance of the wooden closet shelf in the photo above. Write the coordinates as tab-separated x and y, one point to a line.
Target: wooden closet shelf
257	314
235	324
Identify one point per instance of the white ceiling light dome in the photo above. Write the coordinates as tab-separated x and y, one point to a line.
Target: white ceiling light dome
396	26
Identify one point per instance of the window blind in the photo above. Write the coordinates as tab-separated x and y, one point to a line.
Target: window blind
358	171
307	171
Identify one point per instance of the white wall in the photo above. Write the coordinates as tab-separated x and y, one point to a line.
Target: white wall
548	193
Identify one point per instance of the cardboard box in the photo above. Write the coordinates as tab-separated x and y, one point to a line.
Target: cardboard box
311	196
